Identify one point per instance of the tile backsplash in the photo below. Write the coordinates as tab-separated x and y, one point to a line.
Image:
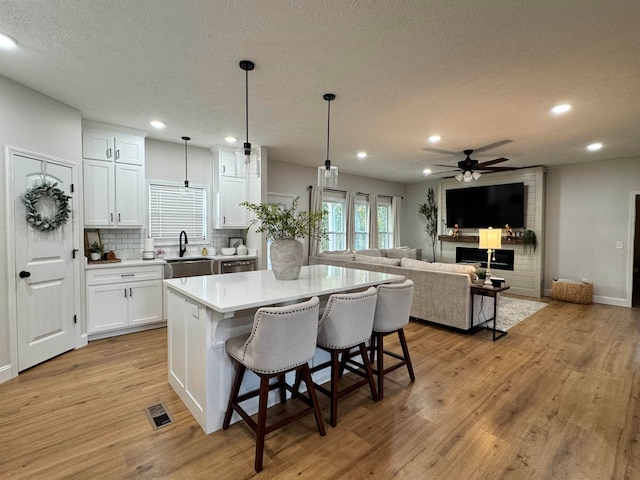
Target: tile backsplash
128	243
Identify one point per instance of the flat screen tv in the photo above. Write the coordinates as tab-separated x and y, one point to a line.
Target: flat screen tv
488	206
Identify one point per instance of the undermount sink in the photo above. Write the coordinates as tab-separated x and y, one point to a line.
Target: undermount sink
188	267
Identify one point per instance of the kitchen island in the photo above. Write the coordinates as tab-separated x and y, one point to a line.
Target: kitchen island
205	311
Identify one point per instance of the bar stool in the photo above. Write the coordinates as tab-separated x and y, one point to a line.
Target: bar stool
392	314
283	339
346	323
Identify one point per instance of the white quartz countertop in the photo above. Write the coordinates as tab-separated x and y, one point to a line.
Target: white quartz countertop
238	291
162	261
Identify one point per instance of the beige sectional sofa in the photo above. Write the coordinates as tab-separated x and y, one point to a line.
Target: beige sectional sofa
441	292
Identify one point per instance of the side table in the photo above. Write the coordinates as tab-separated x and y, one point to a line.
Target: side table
491	292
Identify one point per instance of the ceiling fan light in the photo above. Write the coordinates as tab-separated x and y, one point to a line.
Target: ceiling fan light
459	177
467	176
476	175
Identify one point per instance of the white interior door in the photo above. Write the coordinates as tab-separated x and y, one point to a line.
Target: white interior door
44	268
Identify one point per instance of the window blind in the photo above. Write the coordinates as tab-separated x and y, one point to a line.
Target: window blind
173	208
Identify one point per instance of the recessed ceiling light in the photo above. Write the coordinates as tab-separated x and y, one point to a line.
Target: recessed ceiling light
426	171
560	109
7	42
434	138
230	139
594	147
362	154
157	124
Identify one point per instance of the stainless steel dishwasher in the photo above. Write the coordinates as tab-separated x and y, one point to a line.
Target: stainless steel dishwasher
233	266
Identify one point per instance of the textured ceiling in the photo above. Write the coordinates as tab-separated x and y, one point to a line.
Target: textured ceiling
475	72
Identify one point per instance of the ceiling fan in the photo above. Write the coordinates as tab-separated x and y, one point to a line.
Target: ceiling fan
469	167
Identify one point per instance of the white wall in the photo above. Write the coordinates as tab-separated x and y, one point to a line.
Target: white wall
588	211
413	225
36	123
165	161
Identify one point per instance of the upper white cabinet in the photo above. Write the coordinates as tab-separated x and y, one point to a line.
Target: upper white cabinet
229	190
114	162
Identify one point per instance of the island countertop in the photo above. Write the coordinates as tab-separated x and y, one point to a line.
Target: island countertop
243	290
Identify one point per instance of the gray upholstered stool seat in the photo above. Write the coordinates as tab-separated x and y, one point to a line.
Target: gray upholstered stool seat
392	315
283	339
346	323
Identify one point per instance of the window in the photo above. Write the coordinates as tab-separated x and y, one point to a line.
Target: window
173	208
335	222
385	223
361	216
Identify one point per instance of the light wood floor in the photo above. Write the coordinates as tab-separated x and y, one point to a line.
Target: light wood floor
557	398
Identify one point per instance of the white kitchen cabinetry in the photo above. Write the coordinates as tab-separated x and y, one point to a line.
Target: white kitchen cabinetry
229	190
114	194
123	297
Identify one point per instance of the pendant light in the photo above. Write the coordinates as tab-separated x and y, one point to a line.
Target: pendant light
247	158
327	174
186	181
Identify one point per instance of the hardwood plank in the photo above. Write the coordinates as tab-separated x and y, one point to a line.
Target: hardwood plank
559	397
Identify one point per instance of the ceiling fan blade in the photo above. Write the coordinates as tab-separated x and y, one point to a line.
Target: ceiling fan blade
492	162
437	150
448	166
491	145
497	169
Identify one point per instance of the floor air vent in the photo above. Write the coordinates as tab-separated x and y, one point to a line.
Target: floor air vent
158	416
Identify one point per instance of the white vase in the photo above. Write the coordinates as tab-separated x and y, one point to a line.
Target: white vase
286	258
95	256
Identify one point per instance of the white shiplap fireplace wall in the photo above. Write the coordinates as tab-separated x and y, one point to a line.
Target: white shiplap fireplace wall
527	277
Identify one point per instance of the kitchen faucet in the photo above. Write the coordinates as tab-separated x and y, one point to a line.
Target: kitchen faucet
183	246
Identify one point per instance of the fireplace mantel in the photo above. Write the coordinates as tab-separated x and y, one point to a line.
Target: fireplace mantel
474	239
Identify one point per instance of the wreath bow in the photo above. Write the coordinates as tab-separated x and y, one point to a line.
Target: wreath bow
33	217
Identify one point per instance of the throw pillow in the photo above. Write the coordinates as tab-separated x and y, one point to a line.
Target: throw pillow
403	252
343	254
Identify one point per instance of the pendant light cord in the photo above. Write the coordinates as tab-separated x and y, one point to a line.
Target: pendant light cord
246	101
328	125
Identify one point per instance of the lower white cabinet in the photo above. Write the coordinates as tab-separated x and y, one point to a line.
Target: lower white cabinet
123	297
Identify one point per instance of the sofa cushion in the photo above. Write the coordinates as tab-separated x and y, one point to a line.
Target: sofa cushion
378	260
403	252
372	252
343	254
439	267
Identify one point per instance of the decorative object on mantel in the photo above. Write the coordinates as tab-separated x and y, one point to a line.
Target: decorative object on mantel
456	231
34	217
491	239
327	174
509	231
247	158
529	241
429	211
283	226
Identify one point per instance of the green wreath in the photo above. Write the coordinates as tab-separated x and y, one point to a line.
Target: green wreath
31	198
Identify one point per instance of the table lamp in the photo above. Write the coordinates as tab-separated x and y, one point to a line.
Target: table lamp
491	239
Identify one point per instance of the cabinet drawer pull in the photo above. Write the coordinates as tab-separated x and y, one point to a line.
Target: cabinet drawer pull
127	275
118	217
111	216
108	153
130	292
117	154
125	293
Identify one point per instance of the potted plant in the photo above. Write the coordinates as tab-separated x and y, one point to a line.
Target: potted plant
429	211
96	250
529	241
481	273
283	227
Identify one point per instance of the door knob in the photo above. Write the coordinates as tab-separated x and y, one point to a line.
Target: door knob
24	274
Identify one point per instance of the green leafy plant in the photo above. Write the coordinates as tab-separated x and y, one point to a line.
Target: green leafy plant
429	211
530	241
280	222
481	273
96	247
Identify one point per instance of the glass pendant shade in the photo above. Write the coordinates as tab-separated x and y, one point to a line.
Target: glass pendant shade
247	158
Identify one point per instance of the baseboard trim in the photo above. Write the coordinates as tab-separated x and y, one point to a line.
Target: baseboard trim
124	331
6	373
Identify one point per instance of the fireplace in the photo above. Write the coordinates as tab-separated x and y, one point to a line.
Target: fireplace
503	261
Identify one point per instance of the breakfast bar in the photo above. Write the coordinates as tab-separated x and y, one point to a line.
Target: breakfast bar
205	311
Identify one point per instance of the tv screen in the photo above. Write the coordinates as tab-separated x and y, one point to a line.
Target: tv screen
488	206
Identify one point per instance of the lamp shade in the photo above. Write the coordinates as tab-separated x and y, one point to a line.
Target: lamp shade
490	238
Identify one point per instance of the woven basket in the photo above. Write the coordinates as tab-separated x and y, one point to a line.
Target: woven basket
572	292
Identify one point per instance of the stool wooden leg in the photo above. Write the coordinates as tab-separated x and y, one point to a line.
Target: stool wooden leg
369	370
306	374
335	375
405	351
262	421
235	388
283	390
380	364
